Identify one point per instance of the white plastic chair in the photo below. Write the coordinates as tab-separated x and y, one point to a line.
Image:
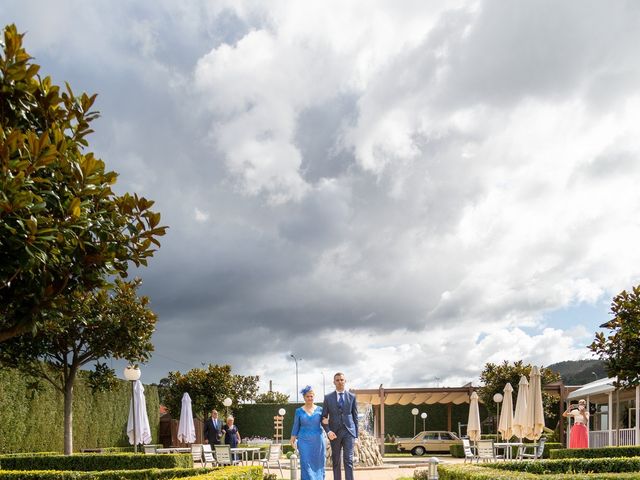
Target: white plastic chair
468	450
196	453
537	450
486	451
207	455
273	457
223	455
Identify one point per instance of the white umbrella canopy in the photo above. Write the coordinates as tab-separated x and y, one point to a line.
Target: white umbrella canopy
186	428
505	425
143	431
535	409
473	424
520	415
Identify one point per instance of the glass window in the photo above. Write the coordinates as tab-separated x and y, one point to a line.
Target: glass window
431	436
445	436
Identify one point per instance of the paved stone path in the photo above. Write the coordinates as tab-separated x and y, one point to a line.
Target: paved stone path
393	468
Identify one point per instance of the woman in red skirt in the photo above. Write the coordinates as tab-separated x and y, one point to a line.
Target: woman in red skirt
579	437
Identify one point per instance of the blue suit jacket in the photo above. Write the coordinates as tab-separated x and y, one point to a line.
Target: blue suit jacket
346	417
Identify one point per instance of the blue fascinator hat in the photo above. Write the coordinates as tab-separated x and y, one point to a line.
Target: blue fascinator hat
306	390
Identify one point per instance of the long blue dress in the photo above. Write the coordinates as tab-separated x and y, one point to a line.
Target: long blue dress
311	443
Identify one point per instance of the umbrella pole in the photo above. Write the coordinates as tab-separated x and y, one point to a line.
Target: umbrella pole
133	403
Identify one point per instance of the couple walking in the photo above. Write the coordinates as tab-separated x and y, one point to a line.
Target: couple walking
338	417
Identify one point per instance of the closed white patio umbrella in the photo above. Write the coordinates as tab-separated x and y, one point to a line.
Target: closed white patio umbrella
143	431
186	428
473	424
505	425
535	409
520	415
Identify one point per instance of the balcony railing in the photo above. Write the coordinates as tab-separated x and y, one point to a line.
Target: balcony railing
600	438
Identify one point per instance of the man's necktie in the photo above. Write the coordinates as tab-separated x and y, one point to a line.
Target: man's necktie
341	400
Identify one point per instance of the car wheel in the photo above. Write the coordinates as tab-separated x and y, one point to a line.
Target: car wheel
419	451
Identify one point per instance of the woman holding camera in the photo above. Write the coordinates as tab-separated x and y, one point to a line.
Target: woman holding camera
579	436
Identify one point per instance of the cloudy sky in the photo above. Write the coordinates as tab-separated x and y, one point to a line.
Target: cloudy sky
400	190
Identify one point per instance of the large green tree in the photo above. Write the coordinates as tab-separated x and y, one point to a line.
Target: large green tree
272	397
62	227
207	389
495	376
97	325
620	349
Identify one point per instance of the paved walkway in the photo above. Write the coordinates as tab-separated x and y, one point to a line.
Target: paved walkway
393	468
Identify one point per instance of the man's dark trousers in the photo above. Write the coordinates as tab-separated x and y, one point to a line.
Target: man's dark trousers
344	442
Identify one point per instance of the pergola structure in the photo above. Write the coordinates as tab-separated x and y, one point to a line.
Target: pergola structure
449	396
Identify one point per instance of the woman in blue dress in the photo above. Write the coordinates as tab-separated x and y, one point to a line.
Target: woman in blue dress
307	436
231	433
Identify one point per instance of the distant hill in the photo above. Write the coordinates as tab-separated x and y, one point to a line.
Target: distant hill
579	372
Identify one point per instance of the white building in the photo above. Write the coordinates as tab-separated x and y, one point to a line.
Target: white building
615	418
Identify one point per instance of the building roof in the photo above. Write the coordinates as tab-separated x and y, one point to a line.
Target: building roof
415	396
597	387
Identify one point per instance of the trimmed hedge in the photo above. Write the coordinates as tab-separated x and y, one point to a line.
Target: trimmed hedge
602	452
232	473
94	462
573	465
479	472
219	473
146	474
392	448
35	418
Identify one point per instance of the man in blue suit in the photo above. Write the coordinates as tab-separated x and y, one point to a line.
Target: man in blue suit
342	426
213	429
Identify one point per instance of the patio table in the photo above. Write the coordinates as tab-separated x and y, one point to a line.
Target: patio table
506	447
245	451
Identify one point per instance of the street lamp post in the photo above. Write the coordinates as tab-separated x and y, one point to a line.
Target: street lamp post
279	425
414	412
423	415
498	399
295	359
132	373
323	392
227	403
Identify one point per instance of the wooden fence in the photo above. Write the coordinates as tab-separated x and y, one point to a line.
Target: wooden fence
168	434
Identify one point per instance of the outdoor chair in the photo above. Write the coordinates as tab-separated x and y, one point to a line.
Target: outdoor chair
196	453
537	450
150	450
223	455
486	451
468	450
207	455
272	458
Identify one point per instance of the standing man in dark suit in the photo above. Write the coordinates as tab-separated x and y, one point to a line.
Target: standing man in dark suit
213	429
342	428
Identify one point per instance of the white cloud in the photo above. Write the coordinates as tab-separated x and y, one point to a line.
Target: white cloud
380	187
200	216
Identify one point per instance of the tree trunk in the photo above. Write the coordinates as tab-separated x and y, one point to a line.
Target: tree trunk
68	411
68	418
